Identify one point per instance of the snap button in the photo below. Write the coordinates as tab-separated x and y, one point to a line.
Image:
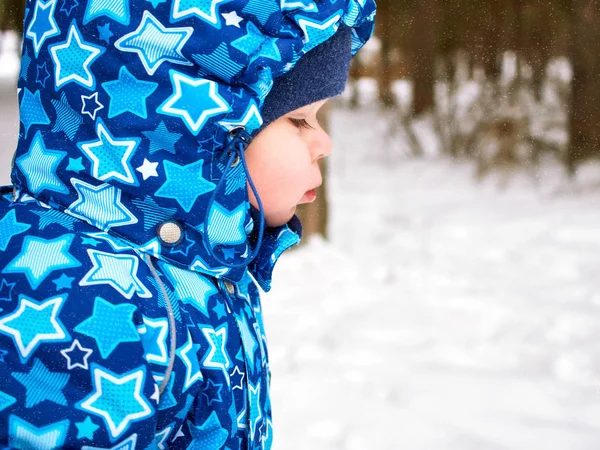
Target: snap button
170	232
230	287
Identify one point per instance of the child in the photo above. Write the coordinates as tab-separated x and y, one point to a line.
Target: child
130	257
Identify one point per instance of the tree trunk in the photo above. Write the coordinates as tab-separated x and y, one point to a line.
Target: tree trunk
423	40
585	98
11	15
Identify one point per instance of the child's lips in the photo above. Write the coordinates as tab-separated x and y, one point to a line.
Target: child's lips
309	196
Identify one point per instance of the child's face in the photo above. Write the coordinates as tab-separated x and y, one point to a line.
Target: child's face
282	160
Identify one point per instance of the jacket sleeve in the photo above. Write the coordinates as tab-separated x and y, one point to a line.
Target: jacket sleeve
72	369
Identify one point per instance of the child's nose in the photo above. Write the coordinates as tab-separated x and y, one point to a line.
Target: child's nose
322	145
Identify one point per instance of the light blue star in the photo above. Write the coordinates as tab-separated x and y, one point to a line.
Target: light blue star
261	9
205	9
188	354
219	63
184	183
67	120
22	434
263	85
42	384
54	217
250	344
155	44
63	282
220	310
216	357
190	287
306	5
104	32
86	429
73	58
316	32
40	165
167	399
25	63
100	205
127	444
162	139
251	119
34	323
40	257
118	10
6	400
154	337
89	241
228	253
194	100
43	25
155	3
117	398
109	325
160	438
226	227
255	409
9	227
75	165
128	94
267	439
110	156
255	44
32	111
208	435
182	414
118	271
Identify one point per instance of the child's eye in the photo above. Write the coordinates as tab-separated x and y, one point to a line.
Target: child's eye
300	123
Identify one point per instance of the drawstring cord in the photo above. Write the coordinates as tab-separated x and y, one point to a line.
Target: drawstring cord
236	149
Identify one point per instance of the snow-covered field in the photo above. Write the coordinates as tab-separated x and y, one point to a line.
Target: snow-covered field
442	314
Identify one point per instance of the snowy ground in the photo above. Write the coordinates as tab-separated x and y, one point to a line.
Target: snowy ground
442	315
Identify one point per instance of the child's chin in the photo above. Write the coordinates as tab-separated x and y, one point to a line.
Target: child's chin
276	220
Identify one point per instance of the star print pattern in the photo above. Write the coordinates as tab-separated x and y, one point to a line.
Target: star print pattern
110	156
126	108
43	25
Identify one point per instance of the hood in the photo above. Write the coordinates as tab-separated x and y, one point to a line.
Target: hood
127	111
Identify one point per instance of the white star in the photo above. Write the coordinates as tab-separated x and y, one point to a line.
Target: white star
97	105
179	434
210	16
156	395
291	4
88	351
232	19
148	169
251	121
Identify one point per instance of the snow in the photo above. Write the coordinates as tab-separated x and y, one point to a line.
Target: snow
442	314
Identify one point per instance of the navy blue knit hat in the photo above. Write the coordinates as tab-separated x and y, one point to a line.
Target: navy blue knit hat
320	74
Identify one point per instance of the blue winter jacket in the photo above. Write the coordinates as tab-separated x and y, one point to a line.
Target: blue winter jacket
130	258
